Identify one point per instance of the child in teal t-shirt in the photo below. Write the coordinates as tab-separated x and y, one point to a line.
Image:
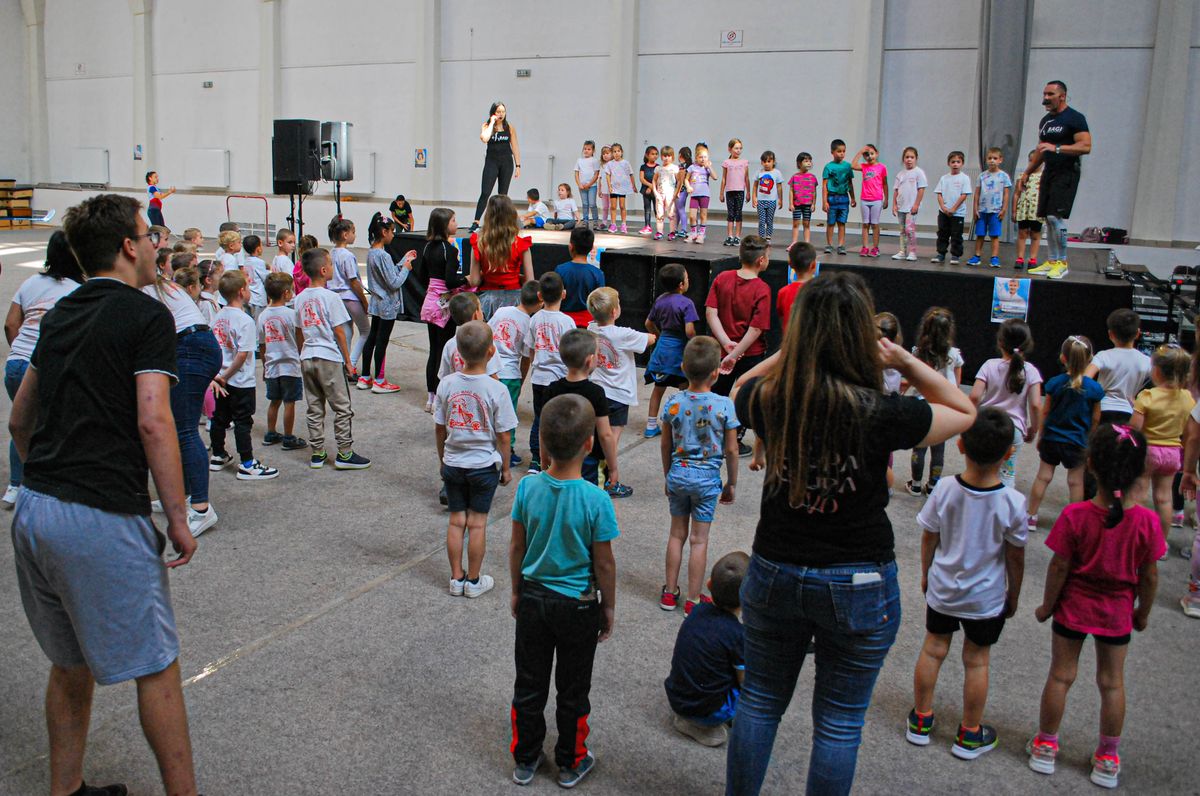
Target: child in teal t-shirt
837	192
559	556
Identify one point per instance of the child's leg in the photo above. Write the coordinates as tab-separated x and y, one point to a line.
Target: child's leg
539	400
829	229
703	218
656	396
866	230
807	230
603	201
289	418
1044	476
454	543
243	421
875	236
1110	678
621	205
1075	483
273	415
575	652
222	417
995	247
314	393
1064	663
937	460
1161	486
1035	242
535	637
917	463
1022	239
841	235
1008	468
795	232
909	233
929	664
697	558
956	237
975	682
678	535
978	245
943	234
647	207
337	392
476	542
903	218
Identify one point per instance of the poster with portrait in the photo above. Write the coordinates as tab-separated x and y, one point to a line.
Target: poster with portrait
1010	299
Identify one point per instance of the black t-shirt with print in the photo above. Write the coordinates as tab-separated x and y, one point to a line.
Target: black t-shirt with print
848	523
591	392
1060	129
86	447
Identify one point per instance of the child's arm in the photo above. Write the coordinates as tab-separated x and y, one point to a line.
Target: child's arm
724	173
578	184
854	162
504	448
524	368
1136	421
645	183
299	339
1191	453
929	545
885	191
1004	203
1016	195
439	436
1095	414
608	444
1014	568
665	446
1091	370
718	331
1046	405
605	567
752	334
824	194
759	459
689	330
895	200
652	327
1035	413
941	203
357	288
958	376
1056	577
731	465
975	204
961	198
850	188
779	187
977	391
1146	589
753	186
516	557
239	359
917	204
339	334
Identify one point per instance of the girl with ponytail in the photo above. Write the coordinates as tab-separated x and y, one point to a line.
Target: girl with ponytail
385	278
1102	582
1070	412
1010	383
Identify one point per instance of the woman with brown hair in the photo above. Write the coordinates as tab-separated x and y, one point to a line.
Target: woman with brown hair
503	159
501	260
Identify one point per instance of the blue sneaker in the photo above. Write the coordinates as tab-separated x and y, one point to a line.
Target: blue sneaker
514	459
994	262
618	490
570	777
919	728
973	261
651	432
523	773
970	745
351	461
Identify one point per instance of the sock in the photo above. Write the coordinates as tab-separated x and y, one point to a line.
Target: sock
1045	737
652	422
967	729
472	581
1108	745
247	463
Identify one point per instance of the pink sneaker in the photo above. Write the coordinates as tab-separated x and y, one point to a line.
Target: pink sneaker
384	387
624	229
874	252
645	231
864	252
612	227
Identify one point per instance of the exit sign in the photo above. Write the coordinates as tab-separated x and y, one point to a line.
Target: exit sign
524	73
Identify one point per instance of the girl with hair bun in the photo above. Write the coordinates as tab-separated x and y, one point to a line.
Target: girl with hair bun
1011	383
386	304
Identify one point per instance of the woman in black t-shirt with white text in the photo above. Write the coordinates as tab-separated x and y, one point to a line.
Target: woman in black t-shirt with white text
824	566
503	159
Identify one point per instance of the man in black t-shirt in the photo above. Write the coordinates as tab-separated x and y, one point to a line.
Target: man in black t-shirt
92	415
1063	138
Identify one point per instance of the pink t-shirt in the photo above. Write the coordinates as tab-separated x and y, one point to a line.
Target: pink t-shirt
804	188
1100	589
736	173
873	175
994	375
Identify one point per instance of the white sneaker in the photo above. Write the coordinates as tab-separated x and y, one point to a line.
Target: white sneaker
256	471
201	521
10	496
457	585
473	590
898	256
912	258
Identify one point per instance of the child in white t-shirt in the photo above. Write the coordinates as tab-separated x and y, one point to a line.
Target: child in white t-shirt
1014	385
1121	370
463	308
510	329
285	244
234	330
587	178
566	212
256	274
546	327
615	369
474	416
538	214
281	341
952	192
973	562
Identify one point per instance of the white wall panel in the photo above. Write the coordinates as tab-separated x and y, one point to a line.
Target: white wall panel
522	29
92	114
215	35
222	117
14	94
1187	201
932	115
675	26
1094	23
1109	88
97	34
318	32
931	24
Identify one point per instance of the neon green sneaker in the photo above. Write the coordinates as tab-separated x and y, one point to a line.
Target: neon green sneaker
1044	268
1058	270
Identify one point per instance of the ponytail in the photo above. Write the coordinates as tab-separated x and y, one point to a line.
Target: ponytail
339	225
1015	339
378	224
1077	355
1117	457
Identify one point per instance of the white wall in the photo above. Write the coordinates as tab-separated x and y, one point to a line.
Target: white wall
786	89
14	94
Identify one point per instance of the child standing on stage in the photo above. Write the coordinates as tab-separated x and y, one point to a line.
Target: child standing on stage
935	347
768	194
735	173
952	191
1161	413
666	181
1070	413
673	320
587	175
908	195
1014	385
1102	580
837	195
801	197
1029	224
681	193
699	175
281	341
603	199
699	434
991	200
874	196
619	175
646	185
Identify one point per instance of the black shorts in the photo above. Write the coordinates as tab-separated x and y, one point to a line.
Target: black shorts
470	490
1076	635
1061	453
980	632
1056	194
1032	226
618	413
288	389
665	379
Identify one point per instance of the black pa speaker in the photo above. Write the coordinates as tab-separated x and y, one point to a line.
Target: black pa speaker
295	155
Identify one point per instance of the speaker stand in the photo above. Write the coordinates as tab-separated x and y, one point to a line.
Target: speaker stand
337	195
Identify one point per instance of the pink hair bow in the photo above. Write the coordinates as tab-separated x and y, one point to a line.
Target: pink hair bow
1125	434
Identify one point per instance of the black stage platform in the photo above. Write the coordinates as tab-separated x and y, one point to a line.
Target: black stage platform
1078	304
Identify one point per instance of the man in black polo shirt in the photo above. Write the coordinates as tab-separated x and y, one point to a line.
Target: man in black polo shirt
92	415
1063	138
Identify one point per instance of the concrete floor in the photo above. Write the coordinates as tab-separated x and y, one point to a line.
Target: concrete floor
323	655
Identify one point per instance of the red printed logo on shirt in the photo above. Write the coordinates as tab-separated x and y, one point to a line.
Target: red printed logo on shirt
607	356
274	331
310	315
505	334
459	412
220	331
547	337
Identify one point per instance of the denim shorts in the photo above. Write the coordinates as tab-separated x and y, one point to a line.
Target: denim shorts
839	208
94	587
694	491
470	490
288	389
989	225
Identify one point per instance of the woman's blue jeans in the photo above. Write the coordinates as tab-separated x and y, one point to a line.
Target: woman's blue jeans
854	624
198	360
14	371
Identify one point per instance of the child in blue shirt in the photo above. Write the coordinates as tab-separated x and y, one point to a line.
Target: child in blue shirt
707	666
995	187
699	434
559	557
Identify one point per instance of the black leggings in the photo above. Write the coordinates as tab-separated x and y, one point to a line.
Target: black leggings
438	336
648	208
377	342
493	169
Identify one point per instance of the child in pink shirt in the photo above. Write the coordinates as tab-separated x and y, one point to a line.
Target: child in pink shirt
735	172
873	199
1101	581
1010	383
802	195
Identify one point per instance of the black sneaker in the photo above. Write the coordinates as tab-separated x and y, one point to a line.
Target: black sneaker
318	460
523	772
841	250
728	241
272	438
913	488
351	461
570	777
474	227
970	745
218	461
828	250
744	450
104	790
444	499
919	728
737	241
293	443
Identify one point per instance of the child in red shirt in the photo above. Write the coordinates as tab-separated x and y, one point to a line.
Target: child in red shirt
1101	581
738	312
802	258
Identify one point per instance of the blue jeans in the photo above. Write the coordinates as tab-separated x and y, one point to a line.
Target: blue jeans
14	371
198	359
784	606
587	197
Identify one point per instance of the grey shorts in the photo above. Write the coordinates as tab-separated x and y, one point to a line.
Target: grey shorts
94	587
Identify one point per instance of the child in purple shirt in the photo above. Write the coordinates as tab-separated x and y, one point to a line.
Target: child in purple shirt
673	318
